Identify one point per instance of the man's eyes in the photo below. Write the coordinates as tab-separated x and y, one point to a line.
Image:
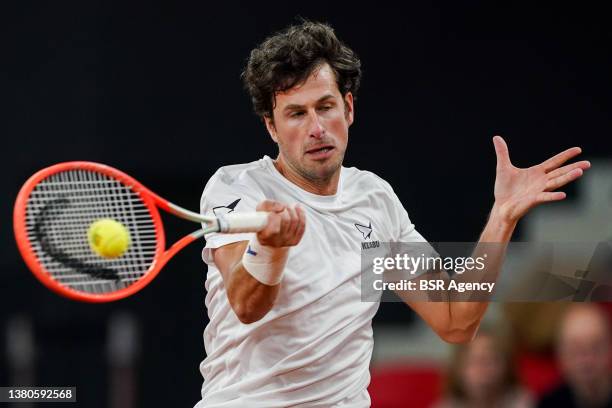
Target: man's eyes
297	114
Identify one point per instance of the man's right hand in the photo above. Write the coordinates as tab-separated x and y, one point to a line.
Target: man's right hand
285	226
249	298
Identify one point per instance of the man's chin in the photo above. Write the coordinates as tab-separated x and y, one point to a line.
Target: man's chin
333	161
323	171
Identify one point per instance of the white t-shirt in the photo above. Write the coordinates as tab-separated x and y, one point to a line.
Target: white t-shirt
313	348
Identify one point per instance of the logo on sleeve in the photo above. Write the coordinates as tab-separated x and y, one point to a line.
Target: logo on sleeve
225	209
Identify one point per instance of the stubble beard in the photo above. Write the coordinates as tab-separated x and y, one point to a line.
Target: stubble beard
318	174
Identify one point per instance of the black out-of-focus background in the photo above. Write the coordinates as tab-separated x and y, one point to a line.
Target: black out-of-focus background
153	88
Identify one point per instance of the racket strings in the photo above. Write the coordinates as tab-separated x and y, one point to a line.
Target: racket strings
59	212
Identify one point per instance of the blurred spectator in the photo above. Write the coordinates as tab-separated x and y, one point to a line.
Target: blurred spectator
534	324
583	352
482	375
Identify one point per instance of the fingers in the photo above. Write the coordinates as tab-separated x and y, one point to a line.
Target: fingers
294	221
286	221
299	226
501	151
302	222
286	224
273	227
560	158
545	197
274	220
560	181
584	164
296	224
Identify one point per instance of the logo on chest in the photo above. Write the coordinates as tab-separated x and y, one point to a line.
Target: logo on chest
366	234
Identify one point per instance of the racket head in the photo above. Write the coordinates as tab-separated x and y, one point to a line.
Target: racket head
52	214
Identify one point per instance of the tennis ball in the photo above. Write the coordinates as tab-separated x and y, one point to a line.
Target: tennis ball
108	238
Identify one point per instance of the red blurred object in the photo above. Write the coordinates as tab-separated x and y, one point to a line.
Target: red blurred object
420	385
539	373
405	385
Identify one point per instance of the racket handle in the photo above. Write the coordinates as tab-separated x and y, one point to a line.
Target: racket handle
243	222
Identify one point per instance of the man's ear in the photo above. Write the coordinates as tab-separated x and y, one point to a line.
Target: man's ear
349	111
271	128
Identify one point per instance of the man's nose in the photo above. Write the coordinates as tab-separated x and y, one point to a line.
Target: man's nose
316	128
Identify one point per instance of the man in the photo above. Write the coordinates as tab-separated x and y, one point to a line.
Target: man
583	351
287	327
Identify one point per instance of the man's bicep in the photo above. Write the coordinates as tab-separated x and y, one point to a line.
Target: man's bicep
226	257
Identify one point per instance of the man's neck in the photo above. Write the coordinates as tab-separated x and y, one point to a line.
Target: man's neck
320	187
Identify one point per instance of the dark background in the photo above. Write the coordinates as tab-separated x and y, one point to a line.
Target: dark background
154	90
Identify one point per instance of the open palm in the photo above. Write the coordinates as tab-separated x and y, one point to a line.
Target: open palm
518	190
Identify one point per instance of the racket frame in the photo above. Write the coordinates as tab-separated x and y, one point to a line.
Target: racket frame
151	201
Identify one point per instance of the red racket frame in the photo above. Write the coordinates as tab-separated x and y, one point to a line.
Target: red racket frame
151	200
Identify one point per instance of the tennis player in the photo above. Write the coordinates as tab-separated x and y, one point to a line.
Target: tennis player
287	324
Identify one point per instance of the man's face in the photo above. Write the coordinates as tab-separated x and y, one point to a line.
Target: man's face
584	349
311	124
483	367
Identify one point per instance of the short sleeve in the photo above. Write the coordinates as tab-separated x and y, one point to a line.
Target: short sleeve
409	240
224	194
407	230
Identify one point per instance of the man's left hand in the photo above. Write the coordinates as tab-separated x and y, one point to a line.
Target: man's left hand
519	190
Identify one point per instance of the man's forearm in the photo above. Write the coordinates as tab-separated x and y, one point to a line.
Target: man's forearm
516	191
493	242
250	299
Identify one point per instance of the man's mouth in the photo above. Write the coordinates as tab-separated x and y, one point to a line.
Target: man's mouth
318	149
320	152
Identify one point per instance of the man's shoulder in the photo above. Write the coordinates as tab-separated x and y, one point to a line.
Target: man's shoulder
242	175
241	179
365	180
235	173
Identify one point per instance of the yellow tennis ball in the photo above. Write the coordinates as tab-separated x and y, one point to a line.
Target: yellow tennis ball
108	238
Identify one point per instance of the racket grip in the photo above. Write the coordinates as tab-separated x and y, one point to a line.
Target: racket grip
243	222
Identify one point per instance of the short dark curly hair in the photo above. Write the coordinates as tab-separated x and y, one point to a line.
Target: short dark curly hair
289	57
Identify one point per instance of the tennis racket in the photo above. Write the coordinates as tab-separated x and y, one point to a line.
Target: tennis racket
57	205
